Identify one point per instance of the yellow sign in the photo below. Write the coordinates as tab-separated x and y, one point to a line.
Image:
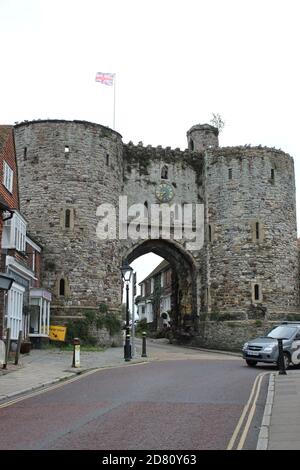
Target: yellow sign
57	333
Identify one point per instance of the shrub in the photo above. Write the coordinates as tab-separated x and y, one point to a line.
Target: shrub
82	327
141	326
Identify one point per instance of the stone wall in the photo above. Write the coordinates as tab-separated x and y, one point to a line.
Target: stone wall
143	171
72	166
202	137
252	213
230	335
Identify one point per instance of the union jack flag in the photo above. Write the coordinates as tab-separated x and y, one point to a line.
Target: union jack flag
105	78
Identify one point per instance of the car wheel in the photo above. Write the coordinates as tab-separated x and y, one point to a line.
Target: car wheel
287	361
251	363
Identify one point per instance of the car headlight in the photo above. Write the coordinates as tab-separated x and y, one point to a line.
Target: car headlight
245	346
269	348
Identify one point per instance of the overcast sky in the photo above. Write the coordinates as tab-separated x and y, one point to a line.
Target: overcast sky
176	63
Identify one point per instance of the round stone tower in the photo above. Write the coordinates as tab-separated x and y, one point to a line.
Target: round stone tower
202	136
252	259
67	169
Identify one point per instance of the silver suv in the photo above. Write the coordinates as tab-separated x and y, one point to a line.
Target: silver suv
265	348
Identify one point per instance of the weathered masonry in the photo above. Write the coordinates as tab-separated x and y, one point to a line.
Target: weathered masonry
246	273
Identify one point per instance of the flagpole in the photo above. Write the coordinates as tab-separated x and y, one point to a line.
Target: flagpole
114	119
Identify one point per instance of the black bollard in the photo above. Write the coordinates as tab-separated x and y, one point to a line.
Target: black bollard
127	346
144	352
7	348
281	364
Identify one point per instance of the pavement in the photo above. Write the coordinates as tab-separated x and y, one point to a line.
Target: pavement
280	427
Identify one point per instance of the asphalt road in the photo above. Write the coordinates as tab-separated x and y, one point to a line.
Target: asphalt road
190	403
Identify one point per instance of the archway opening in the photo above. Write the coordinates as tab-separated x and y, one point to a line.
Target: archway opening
166	288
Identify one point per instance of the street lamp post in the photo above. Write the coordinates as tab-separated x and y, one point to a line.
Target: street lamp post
126	275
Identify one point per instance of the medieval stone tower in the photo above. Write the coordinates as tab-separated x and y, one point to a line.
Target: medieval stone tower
66	169
244	275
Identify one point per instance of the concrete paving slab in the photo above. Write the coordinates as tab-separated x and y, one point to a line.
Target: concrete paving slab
281	420
279	445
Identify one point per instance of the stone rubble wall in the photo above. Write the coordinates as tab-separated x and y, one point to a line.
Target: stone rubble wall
52	181
234	205
230	335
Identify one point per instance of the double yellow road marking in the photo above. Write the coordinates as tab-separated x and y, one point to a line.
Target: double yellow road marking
251	405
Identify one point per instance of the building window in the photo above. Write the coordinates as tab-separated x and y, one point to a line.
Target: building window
211	233
33	260
14	233
25	153
191	145
164	172
147	287
257	230
256	291
62	287
68	218
107	159
8	175
67	149
272	175
230	174
15	310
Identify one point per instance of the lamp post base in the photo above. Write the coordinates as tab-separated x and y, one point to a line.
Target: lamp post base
127	348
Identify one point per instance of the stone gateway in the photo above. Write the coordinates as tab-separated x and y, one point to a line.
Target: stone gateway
246	274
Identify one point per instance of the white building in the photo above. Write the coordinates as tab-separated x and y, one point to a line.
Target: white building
158	282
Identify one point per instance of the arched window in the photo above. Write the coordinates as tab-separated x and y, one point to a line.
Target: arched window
68	218
62	287
164	172
191	145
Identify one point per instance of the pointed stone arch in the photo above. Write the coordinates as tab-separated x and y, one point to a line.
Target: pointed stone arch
184	278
